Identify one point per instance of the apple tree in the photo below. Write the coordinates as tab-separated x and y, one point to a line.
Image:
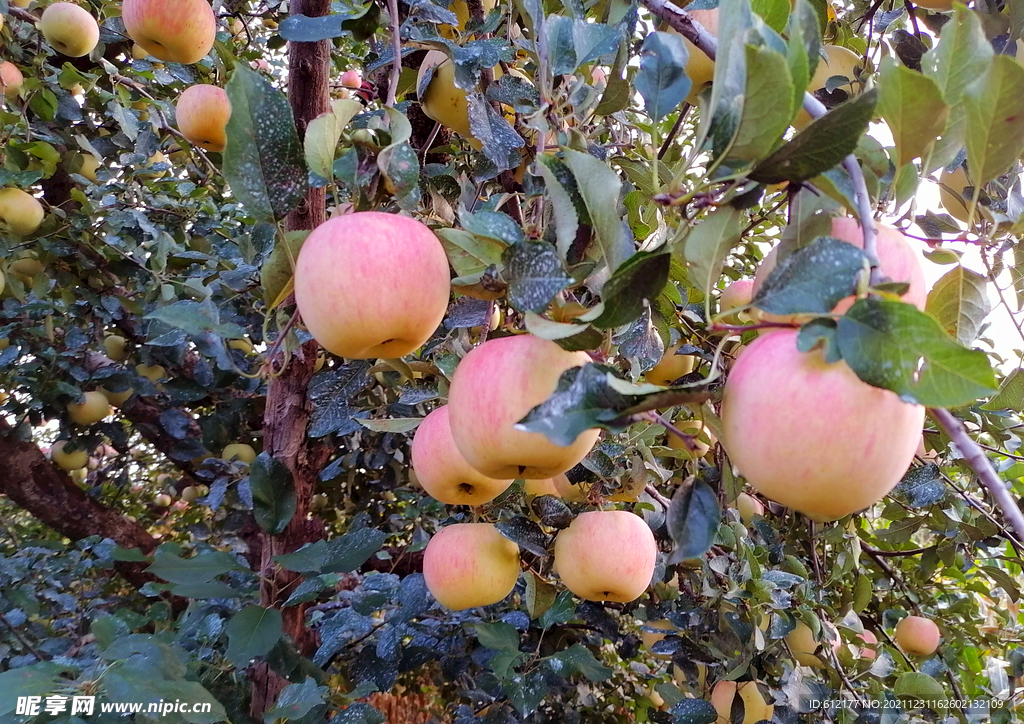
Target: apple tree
541	361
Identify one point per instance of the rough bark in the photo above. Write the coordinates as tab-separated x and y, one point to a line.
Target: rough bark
33	483
288	408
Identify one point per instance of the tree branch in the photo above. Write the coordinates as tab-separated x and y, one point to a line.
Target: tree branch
396	43
981	465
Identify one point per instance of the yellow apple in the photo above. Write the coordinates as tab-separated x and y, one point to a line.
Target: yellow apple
701	439
671	367
493	388
116	398
190	494
748	506
155	159
25	269
606	555
441	469
918	636
803	646
897	259
558	486
70	29
394	291
470	564
138	52
956	200
92	409
11	79
649	638
3	282
163	500
239	451
21	211
114	346
461	10
153	373
178	31
700	69
70	460
840	61
810	435
755	708
88	167
202	112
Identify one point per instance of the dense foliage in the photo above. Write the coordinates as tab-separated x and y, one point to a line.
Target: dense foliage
599	209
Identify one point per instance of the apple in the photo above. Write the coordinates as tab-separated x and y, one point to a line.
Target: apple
606	555
3	282
671	367
92	409
153	373
202	112
918	636
698	445
163	500
649	638
461	10
352	78
839	61
21	3
70	29
392	294
956	200
114	345
190	494
239	451
803	645
21	211
70	460
866	651
178	31
88	167
700	69
441	469
810	435
755	708
748	506
897	259
25	268
116	398
11	79
493	388
138	52
470	564
735	296
558	486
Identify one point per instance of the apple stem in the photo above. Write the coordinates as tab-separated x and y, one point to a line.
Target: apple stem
982	466
697	34
396	62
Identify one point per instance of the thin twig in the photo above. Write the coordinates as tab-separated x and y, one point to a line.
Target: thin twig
653	492
683	112
396	44
22	639
981	465
892	554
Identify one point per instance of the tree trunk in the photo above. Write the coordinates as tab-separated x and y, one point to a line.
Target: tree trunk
288	409
36	485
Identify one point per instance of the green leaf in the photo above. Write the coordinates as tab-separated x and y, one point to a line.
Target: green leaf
323	134
599	188
540	594
775	13
812	279
279	268
820	146
492	225
253	632
359	713
662	81
707	246
524	533
912	106
213	589
962	55
499	140
196	318
497	636
1011	394
399	162
561	611
354	19
307	559
894	346
263	161
346	553
297	700
693	711
725	107
273	493
915	685
468	253
764	118
641	278
201	568
692	520
40	679
534	274
995	119
578	659
959	301
392	424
